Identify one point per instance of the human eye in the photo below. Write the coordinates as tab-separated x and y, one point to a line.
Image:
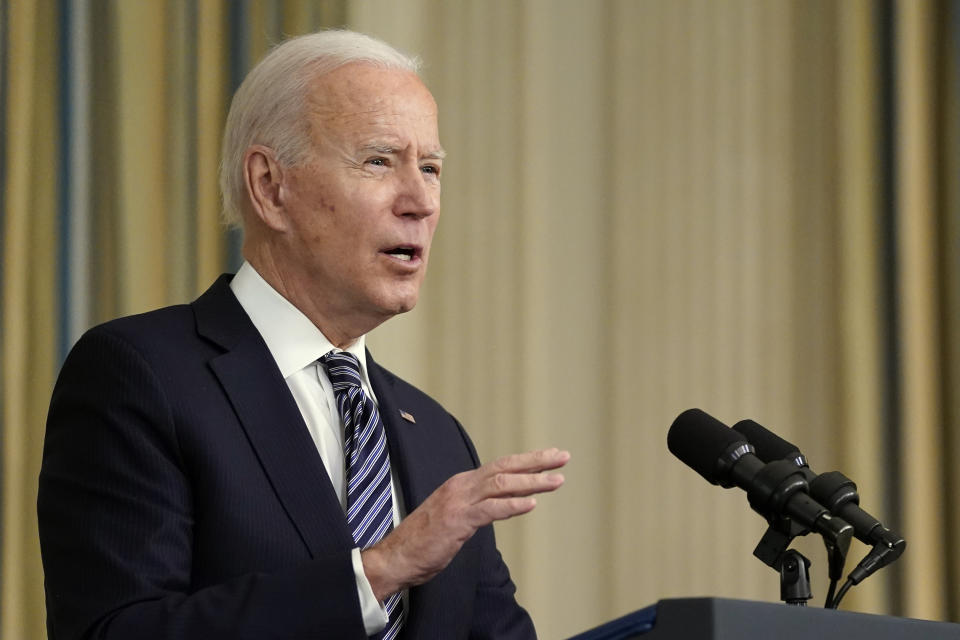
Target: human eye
378	161
431	170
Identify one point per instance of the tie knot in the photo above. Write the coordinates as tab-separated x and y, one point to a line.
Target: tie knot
343	369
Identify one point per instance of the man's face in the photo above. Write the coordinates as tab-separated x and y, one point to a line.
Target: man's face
364	207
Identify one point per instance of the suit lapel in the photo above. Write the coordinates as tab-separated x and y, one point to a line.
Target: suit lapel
410	453
402	437
272	421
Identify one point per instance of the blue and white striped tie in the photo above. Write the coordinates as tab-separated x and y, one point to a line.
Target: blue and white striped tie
367	461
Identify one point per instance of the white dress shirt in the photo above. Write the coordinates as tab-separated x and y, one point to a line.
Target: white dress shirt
296	345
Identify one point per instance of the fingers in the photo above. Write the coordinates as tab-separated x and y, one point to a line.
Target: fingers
531	462
518	484
496	509
519	475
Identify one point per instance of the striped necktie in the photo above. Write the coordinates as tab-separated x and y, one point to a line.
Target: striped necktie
367	462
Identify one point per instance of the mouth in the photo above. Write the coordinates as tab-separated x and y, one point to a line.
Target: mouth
404	253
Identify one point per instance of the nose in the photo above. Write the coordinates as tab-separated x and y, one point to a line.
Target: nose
418	194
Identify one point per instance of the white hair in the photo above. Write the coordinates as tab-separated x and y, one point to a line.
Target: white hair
270	104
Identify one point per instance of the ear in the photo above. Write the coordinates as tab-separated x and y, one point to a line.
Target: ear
264	178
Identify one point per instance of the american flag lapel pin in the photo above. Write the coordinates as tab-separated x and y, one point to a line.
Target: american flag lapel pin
406	415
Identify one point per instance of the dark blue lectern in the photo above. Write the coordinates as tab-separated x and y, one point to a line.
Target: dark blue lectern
722	619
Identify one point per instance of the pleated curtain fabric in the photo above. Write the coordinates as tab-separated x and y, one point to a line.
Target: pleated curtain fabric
700	203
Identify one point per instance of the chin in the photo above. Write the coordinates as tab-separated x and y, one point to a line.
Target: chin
404	306
395	306
393	298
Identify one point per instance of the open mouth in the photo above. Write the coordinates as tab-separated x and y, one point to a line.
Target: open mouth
403	253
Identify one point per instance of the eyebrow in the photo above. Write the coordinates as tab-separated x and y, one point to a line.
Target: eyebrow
388	149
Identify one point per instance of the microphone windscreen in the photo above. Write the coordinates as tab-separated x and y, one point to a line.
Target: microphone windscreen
769	446
699	440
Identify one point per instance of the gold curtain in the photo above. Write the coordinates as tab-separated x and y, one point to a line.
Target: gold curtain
30	309
747	206
928	212
861	315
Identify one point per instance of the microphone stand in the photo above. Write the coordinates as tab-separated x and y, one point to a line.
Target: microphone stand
793	566
773	550
795	579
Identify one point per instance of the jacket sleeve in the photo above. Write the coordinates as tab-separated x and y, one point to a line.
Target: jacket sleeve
117	518
496	612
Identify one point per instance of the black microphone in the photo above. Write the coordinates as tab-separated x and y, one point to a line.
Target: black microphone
836	492
724	457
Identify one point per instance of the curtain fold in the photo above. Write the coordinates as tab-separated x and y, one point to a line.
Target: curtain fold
948	199
30	296
861	305
921	442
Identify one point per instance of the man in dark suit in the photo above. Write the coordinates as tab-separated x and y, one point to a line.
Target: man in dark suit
240	467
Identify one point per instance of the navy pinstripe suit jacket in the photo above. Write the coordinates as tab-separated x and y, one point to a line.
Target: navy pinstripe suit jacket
181	495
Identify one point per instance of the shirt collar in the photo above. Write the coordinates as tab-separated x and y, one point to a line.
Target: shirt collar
293	341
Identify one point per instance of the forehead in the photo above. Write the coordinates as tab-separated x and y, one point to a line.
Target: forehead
360	99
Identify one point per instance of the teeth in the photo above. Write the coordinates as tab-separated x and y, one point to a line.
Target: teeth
403	256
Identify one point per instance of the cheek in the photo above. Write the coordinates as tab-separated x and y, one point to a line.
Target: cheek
432	222
324	198
326	205
320	215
